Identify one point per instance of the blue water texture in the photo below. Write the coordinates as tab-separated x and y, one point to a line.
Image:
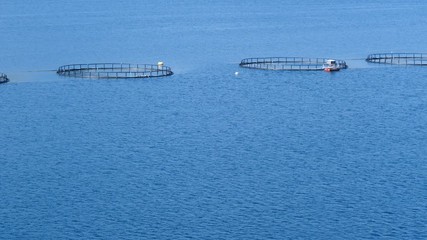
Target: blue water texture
207	154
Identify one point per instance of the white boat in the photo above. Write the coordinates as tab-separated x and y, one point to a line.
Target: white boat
331	66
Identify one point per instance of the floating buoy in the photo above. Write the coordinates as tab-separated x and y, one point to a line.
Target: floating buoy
236	73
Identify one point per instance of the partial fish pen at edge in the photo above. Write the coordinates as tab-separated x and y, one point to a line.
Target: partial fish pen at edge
416	59
3	78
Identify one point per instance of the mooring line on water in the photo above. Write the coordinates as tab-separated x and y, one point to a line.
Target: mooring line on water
42	70
353	59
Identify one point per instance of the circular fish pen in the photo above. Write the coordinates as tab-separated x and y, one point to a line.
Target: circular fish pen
114	70
417	59
289	63
3	78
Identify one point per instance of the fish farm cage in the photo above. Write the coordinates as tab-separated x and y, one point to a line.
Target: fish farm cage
114	70
289	63
3	78
418	59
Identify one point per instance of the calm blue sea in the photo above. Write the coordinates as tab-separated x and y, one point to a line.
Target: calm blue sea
205	154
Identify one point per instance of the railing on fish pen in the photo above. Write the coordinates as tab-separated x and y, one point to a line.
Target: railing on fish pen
114	70
418	59
288	63
3	78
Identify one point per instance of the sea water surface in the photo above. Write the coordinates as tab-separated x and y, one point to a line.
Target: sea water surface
206	154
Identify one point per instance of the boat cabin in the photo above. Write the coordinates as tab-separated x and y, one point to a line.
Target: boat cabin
331	62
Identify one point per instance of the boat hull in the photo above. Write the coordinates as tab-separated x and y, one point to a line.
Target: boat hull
331	69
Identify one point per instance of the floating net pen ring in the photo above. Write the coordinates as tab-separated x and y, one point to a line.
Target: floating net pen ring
289	63
114	70
417	59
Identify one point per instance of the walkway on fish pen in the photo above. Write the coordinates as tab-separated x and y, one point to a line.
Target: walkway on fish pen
114	70
3	78
417	59
289	63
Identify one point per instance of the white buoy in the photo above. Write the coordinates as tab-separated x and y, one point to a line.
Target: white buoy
236	73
